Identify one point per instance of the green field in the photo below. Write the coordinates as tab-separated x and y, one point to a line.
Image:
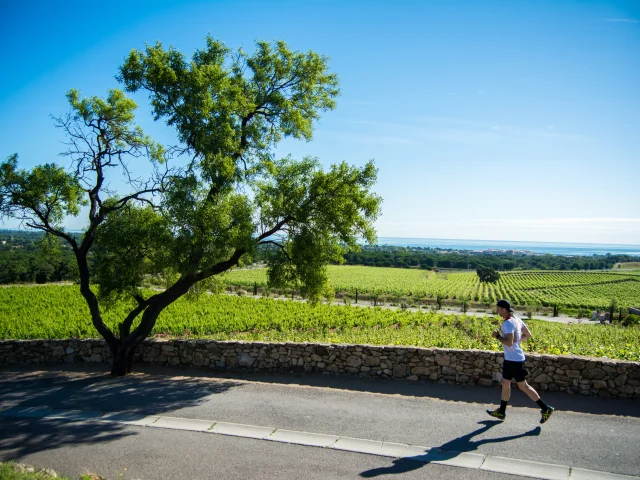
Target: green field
60	312
589	290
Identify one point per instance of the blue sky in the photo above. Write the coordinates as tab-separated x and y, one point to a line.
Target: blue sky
511	120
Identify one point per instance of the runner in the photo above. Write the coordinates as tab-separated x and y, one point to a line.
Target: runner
512	332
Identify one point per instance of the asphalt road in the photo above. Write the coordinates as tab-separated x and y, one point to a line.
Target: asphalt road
593	433
145	453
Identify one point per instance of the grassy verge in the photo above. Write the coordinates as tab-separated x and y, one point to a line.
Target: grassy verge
18	471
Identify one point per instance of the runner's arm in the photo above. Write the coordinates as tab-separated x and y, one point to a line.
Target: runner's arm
526	334
507	340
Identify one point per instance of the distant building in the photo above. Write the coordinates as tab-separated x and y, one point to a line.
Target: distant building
495	251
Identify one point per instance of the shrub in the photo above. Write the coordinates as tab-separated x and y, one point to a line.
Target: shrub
631	320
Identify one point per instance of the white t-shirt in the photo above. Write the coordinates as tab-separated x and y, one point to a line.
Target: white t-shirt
513	325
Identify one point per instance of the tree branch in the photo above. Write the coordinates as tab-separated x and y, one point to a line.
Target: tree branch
281	247
125	326
277	227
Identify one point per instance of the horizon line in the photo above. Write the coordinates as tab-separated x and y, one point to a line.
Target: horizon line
421	238
510	241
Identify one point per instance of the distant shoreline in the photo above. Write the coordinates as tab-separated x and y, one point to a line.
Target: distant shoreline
538	248
497	246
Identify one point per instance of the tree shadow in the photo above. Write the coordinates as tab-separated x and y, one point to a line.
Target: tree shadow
24	436
95	389
446	451
88	389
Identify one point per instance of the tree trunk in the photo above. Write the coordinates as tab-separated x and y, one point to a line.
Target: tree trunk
123	349
122	363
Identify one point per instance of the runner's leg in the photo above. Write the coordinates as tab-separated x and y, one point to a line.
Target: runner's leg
528	390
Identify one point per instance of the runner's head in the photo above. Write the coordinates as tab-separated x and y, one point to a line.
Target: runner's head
503	308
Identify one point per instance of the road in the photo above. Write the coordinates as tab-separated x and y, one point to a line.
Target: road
588	433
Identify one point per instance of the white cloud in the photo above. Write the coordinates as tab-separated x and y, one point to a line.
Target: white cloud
621	20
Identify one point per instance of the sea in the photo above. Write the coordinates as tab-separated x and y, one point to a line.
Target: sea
540	248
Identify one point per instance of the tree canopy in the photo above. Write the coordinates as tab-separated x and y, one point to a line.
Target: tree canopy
488	275
209	201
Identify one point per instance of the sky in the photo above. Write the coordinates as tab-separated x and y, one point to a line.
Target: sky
493	120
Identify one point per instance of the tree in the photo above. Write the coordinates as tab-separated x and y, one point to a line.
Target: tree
464	303
531	307
613	306
440	298
487	274
211	200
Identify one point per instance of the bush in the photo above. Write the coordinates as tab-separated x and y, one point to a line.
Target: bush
584	313
631	320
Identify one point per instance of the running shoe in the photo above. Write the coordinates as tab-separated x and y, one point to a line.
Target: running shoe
497	414
545	414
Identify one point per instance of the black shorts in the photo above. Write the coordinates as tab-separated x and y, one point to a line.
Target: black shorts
511	370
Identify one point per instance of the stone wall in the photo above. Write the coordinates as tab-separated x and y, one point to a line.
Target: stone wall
575	375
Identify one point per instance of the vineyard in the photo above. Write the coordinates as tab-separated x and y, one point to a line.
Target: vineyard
589	290
60	312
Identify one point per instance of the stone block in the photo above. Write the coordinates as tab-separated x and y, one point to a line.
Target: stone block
245	360
443	360
371	360
620	380
594	374
480	363
354	361
198	359
543	379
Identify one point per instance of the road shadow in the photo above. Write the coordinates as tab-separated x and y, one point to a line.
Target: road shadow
157	389
457	393
24	436
92	387
446	451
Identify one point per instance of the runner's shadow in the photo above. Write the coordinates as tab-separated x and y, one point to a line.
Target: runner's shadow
446	451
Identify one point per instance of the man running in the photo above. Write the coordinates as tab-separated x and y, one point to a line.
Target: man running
512	332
